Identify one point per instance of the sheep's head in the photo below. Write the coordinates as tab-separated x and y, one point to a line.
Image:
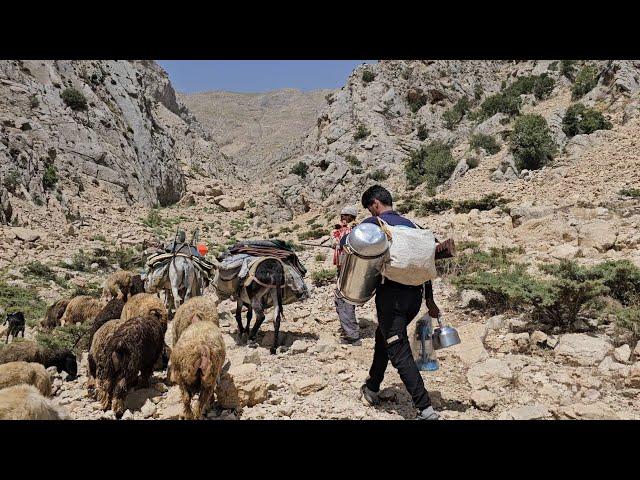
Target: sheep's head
69	365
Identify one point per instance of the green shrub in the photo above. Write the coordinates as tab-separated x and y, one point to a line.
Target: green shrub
543	86
488	202
627	322
313	234
66	337
74	99
368	76
422	132
500	103
586	80
14	298
455	114
630	192
50	176
473	162
553	66
33	101
406	206
621	277
486	142
38	270
582	120
521	86
80	262
435	205
320	257
300	169
361	132
531	142
568	68
324	276
353	160
477	91
432	163
416	99
379	175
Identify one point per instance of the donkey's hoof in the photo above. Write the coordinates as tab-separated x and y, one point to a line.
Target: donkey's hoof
273	350
251	343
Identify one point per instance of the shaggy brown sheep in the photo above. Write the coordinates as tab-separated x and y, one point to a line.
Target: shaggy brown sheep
133	347
80	309
137	285
24	402
28	351
196	361
98	339
54	314
18	373
195	309
144	304
117	285
111	311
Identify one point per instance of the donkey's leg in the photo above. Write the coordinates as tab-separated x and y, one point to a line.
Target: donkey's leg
256	303
277	314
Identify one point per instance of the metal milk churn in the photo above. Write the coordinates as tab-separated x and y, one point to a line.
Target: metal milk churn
364	253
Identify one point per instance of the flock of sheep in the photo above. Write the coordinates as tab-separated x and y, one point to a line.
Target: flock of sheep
125	342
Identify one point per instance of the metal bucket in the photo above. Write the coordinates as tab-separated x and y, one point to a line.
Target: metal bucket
364	253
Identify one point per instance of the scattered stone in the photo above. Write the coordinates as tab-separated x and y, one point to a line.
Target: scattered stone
25	235
148	409
299	346
484	399
253	357
471	348
490	374
582	349
472	299
307	386
229	204
536	411
539	338
136	399
241	386
593	411
622	354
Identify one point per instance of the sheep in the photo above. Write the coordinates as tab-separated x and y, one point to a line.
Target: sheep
16	325
24	402
144	304
111	311
28	351
117	285
137	285
194	309
98	339
18	373
80	309
54	314
134	346
196	362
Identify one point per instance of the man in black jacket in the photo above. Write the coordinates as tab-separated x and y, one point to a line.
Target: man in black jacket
396	305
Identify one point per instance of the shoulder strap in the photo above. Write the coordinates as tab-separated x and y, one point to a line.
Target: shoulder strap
385	228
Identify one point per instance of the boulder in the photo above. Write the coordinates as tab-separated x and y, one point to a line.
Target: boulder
307	386
299	346
484	399
472	299
582	350
252	357
593	411
490	374
535	411
508	343
241	386
229	204
25	235
136	399
599	234
633	378
622	354
471	348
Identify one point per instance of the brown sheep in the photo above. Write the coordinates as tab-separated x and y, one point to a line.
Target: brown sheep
133	347
117	285
196	362
80	309
195	309
18	373
98	340
111	311
28	351
137	285
24	402
54	314
144	304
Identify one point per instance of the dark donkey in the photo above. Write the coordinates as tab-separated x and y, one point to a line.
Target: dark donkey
268	280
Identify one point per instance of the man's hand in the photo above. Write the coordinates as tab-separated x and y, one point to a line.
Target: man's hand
432	308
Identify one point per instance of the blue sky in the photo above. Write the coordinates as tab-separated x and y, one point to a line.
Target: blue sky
190	76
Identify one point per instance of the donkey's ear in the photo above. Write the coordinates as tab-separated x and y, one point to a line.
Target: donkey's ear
20	315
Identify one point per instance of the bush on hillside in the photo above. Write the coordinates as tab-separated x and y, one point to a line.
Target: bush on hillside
324	276
531	142
422	132
500	103
486	142
361	132
455	114
543	86
74	99
300	169
582	120
416	99
432	164
586	80
368	76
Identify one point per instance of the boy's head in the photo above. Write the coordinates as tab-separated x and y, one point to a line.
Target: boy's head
348	215
377	199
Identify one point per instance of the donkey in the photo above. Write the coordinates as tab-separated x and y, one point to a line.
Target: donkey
16	325
180	279
268	280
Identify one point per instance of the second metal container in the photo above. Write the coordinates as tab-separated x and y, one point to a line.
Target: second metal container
364	253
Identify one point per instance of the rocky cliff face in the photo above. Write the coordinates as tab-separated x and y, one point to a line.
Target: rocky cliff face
130	137
373	123
257	130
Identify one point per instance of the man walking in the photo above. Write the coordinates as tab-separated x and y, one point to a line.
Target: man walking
396	305
350	330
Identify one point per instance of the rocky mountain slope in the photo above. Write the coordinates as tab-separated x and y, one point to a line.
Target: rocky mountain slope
256	129
71	128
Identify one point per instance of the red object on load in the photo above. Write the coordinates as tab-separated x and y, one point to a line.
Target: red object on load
202	249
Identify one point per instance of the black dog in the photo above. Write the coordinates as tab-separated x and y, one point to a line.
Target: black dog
16	325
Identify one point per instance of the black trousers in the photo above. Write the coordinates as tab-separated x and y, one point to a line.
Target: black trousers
397	305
